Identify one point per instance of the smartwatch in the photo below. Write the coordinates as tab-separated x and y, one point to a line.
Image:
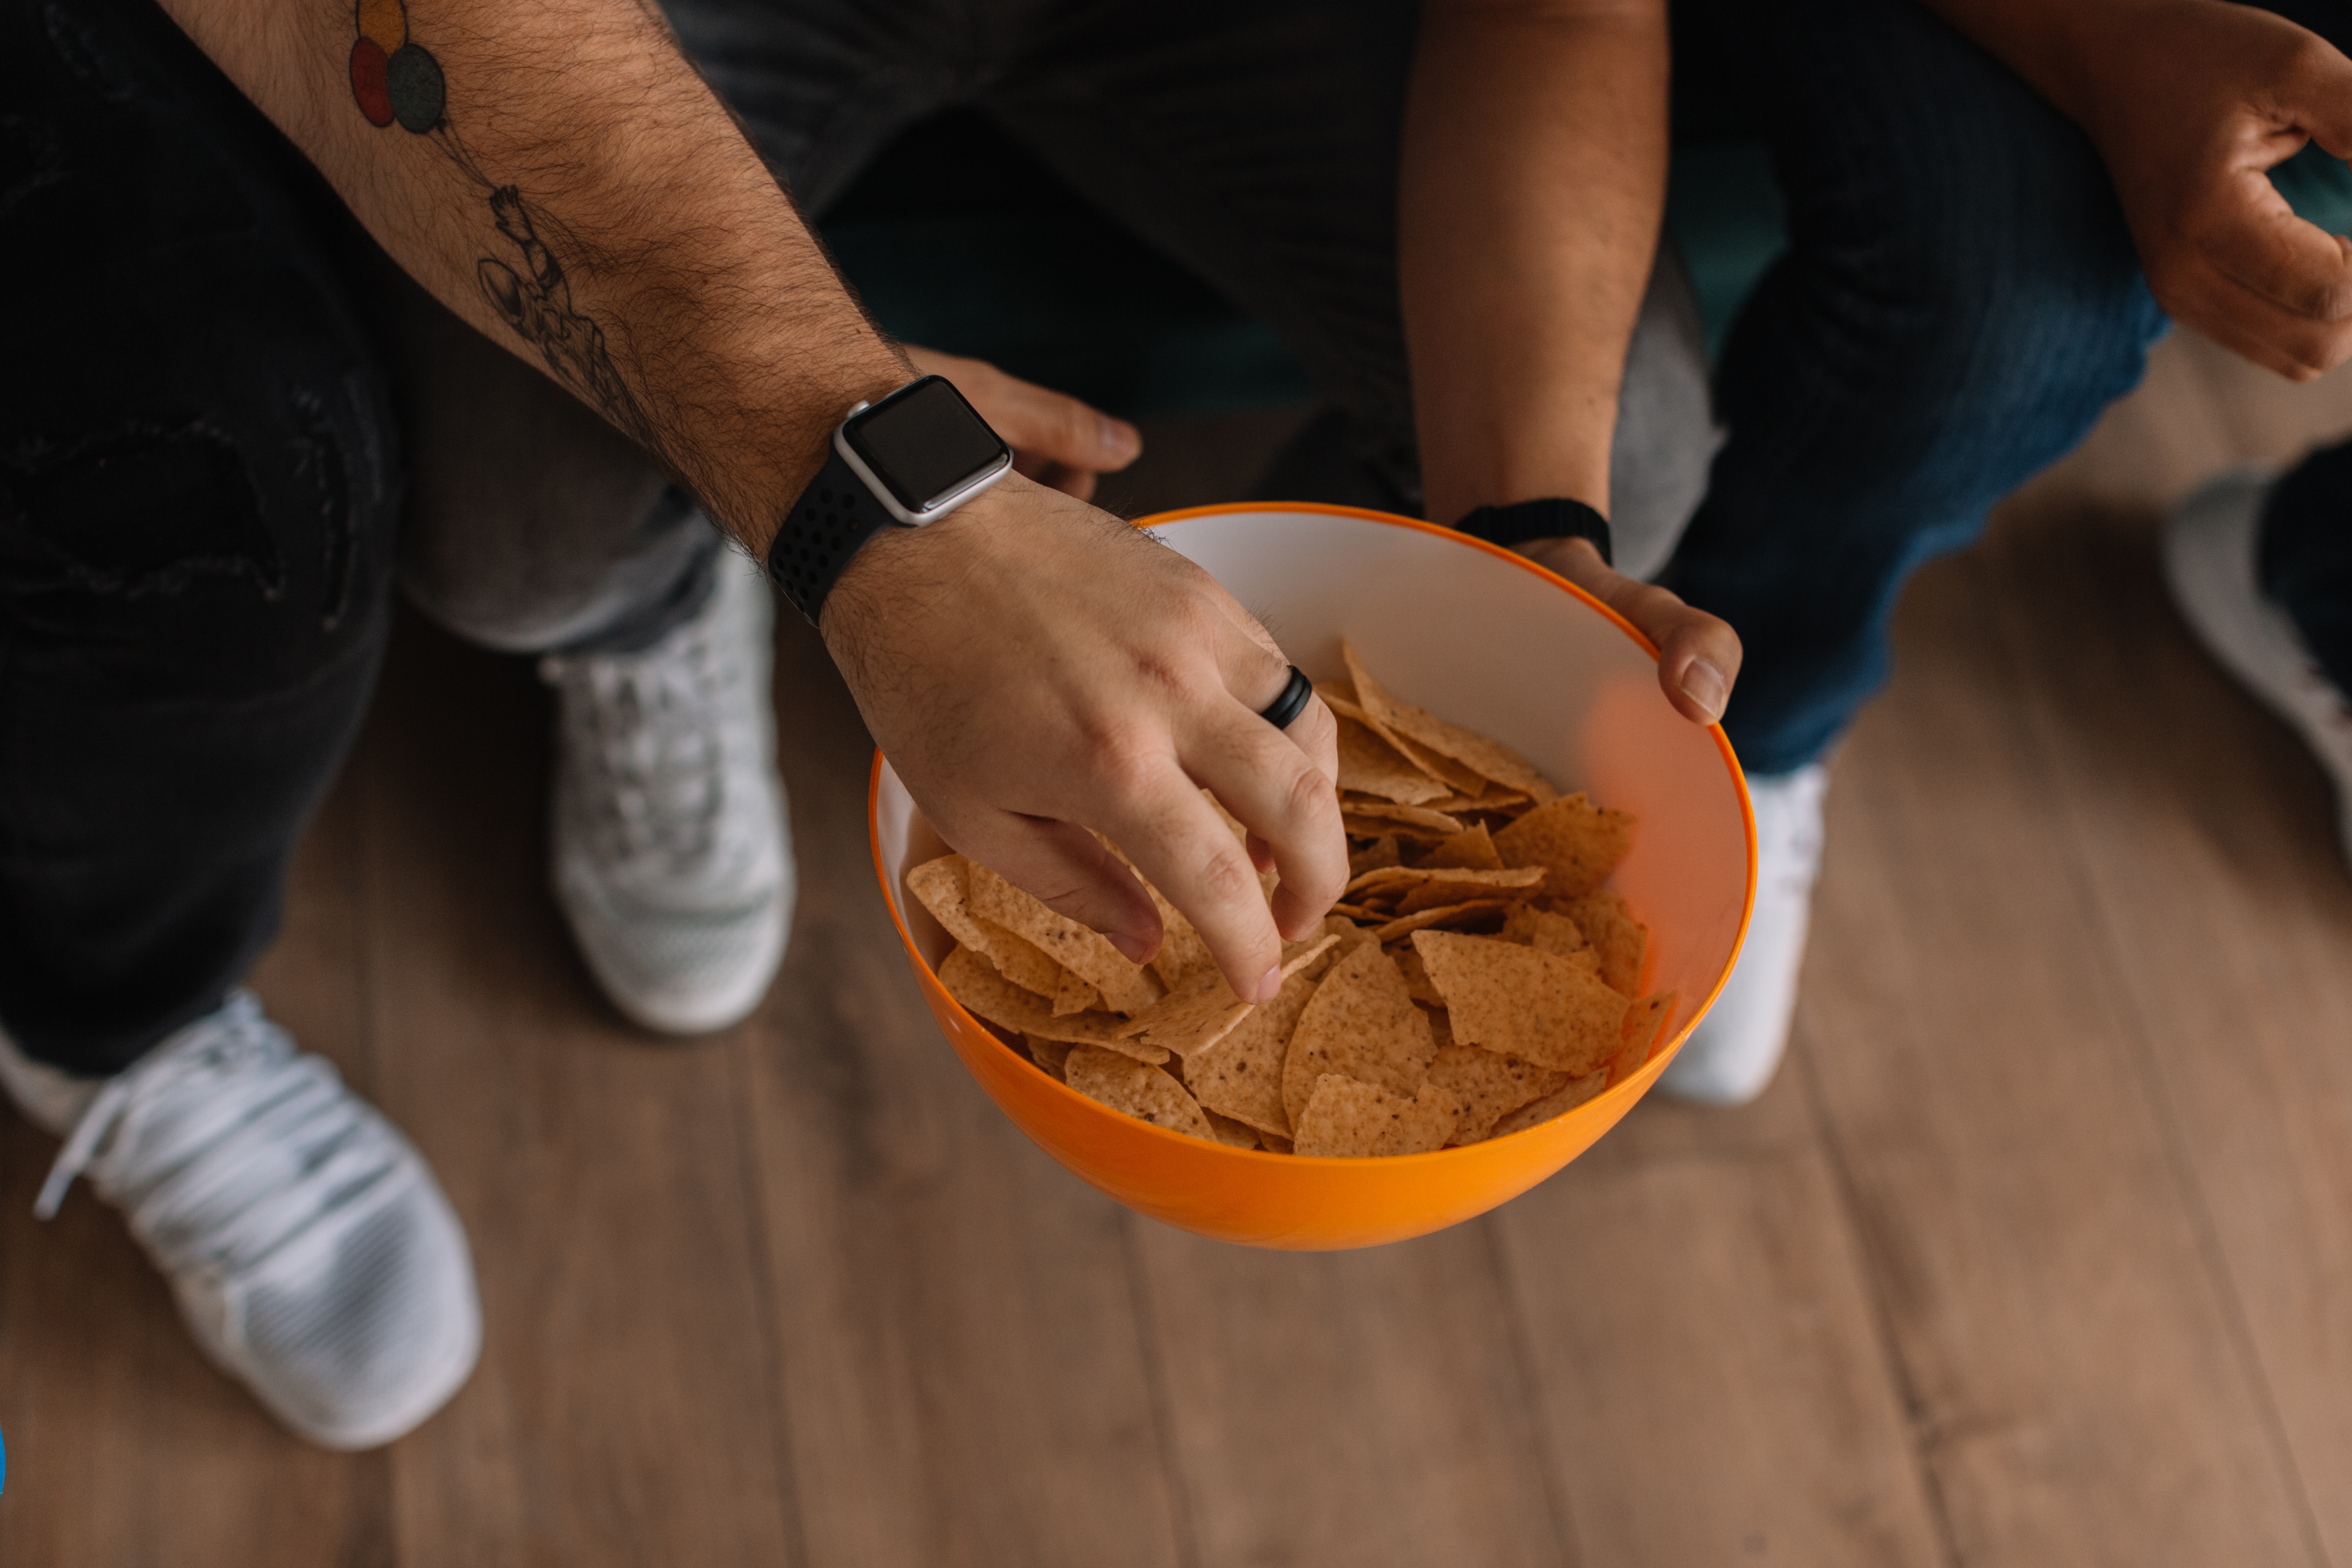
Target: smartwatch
906	462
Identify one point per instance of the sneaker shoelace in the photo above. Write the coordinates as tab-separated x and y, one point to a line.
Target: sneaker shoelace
652	733
222	1145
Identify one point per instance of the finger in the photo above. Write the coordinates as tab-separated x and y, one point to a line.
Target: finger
1181	843
1068	869
1279	795
2251	326
2251	236
1316	732
1698	653
1060	428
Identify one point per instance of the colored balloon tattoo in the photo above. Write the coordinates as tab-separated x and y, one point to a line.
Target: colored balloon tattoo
396	81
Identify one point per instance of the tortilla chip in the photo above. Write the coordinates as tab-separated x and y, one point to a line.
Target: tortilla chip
944	886
1182	953
1360	827
1644	1026
1276	1143
1578	843
1408	819
1444	769
1489	1085
1344	1119
1240	1075
1441	1026
1621	941
1238	1134
973	981
1450	887
1524	1004
1370	765
1361	1022
1495	799
1143	1092
1416	977
1487	758
1576	1093
1047	1054
1473	849
1460	914
1351	937
1545	931
1206	1010
1088	954
1073	995
1383	851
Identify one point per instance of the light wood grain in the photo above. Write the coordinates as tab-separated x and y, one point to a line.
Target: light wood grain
1705	1346
1369	1408
2013	1176
623	1411
953	1314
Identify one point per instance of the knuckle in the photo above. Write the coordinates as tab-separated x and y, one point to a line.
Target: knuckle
1309	798
1228	877
1122	757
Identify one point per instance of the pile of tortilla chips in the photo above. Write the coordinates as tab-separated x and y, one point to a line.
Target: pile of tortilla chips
1476	978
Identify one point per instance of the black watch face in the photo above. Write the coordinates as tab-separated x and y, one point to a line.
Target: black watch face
924	442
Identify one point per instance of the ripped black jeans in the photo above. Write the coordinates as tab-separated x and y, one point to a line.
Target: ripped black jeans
203	415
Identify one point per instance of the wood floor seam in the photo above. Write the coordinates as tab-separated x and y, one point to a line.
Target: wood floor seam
1917	1422
1548	1444
1183	1526
781	1435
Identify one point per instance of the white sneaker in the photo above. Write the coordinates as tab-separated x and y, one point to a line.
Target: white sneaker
2209	562
1732	1055
670	854
313	1253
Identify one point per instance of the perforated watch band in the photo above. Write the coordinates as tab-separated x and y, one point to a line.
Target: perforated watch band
826	527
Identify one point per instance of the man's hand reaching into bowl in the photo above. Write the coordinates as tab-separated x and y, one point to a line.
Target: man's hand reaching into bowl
1035	668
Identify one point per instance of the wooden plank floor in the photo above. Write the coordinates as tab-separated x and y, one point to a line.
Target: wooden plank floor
2040	1253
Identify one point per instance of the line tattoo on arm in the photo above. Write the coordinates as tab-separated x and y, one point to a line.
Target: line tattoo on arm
396	81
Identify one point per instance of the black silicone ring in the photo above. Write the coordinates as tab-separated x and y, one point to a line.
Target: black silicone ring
1291	703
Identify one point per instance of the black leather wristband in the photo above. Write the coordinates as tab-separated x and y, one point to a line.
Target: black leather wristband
1514	525
828	525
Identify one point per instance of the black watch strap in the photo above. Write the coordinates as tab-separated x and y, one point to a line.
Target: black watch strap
1513	525
829	524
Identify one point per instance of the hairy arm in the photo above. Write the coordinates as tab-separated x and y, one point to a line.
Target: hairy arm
1532	188
1532	185
2191	102
557	175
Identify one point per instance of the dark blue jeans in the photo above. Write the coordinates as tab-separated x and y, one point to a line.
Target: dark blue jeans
1960	300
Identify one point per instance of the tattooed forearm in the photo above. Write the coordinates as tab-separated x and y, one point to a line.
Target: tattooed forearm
396	80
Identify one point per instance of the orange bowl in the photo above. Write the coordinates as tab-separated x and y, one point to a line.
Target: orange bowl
1487	639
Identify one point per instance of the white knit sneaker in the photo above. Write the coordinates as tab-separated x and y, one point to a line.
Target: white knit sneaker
313	1256
671	858
2209	562
1732	1055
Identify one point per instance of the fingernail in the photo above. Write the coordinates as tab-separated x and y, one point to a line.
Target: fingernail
1270	986
1134	948
1703	684
1120	439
